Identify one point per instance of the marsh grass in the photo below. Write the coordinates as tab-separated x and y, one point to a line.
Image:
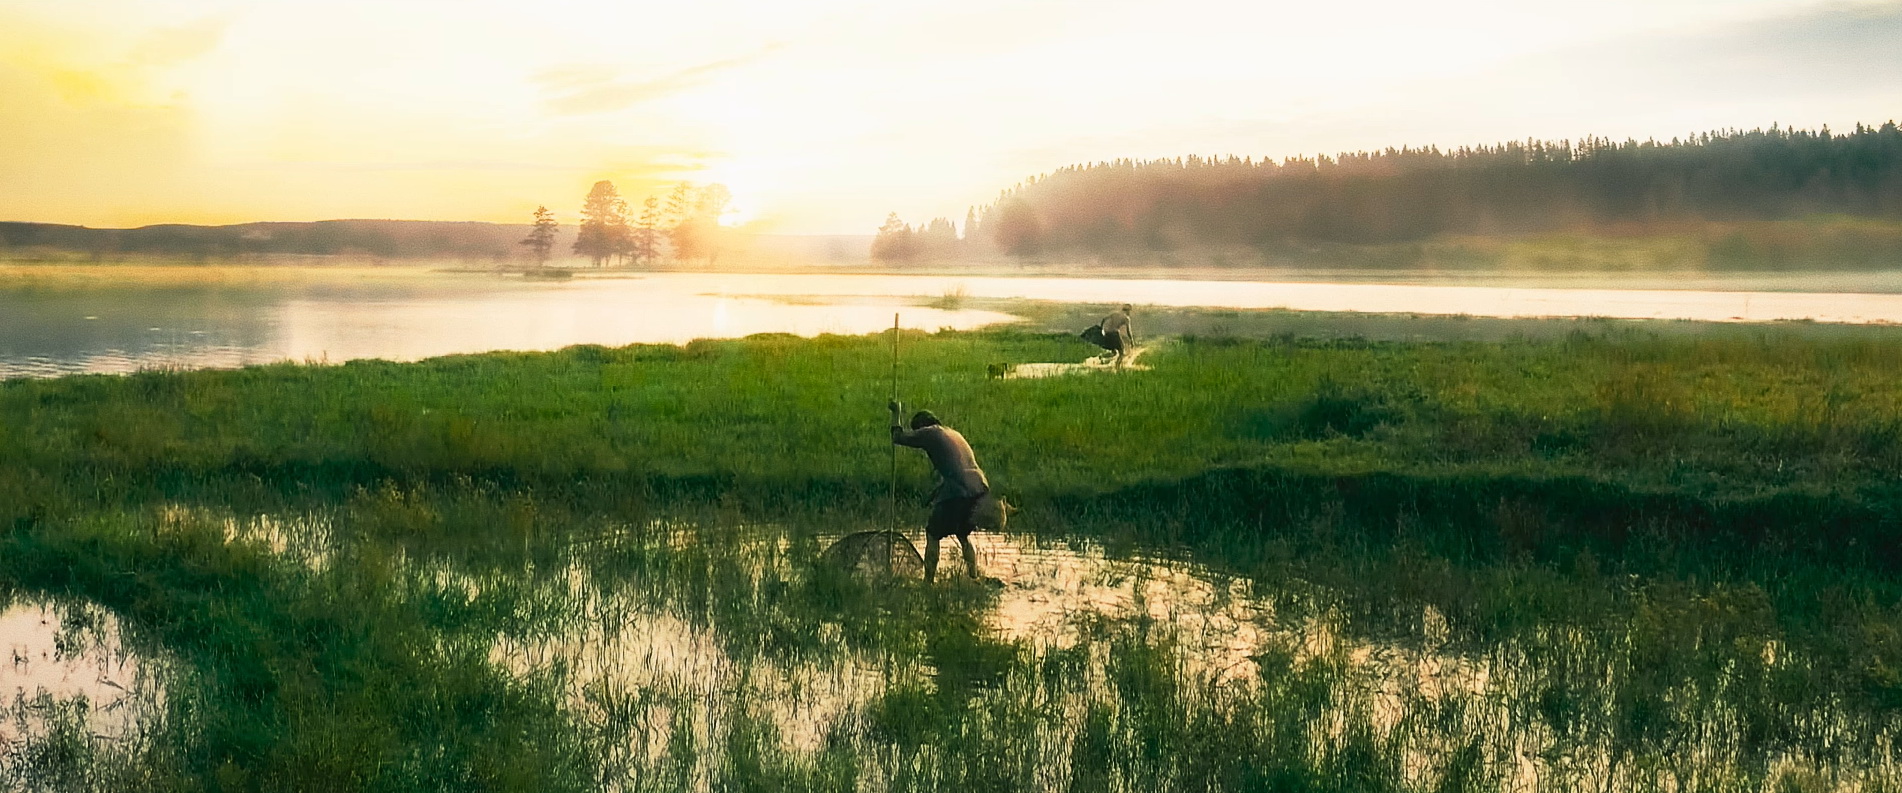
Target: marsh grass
918	691
953	299
1673	556
349	676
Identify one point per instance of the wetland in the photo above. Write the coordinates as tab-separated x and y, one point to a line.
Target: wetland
1608	558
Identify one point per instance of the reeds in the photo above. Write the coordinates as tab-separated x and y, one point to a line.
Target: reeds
1673	558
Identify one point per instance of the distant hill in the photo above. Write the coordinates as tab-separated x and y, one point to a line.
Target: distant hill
377	239
469	242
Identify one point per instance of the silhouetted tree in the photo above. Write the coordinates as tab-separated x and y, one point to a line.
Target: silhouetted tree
603	224
647	232
1017	229
541	236
621	232
679	208
938	240
697	233
895	241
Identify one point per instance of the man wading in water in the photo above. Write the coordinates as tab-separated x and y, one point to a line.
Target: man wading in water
961	483
1116	334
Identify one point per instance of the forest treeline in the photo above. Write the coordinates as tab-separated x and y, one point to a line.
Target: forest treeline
685	227
1408	195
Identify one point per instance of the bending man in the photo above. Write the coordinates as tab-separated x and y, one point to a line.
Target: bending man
960	484
1117	335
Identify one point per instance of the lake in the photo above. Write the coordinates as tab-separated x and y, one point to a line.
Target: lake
57	321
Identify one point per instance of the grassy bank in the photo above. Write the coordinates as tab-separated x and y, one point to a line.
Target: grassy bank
1639	524
1749	414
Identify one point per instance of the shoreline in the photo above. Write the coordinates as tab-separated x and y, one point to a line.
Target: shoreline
1848	280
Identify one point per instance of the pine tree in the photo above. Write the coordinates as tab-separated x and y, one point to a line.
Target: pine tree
697	234
541	236
647	233
620	233
1017	230
676	217
938	240
895	242
602	219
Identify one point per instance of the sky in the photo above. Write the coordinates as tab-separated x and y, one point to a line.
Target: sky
822	116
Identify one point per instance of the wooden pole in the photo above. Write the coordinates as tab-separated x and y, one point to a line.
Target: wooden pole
891	538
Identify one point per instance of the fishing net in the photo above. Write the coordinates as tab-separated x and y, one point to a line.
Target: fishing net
875	552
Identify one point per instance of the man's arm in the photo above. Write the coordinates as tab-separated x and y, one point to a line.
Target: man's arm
900	435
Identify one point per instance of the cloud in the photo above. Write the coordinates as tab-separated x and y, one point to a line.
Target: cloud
587	90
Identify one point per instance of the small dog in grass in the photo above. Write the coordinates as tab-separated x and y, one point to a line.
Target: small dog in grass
997	371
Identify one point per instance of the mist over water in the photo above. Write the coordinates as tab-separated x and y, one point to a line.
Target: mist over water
45	334
118	329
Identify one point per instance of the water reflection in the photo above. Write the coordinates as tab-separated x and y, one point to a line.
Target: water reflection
1053	592
694	654
654	653
706	632
46	332
1500	300
69	661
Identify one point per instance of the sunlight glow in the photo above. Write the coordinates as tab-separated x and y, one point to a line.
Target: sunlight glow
822	117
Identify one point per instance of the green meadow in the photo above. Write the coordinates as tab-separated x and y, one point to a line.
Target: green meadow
1616	557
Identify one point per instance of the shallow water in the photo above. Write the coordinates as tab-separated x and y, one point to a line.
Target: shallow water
339	317
323	315
677	663
1498	298
685	649
643	652
56	655
1052	590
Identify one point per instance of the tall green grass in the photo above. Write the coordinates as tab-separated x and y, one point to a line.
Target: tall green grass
1749	413
1675	542
360	675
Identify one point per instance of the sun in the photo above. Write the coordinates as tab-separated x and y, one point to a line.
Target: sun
745	185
